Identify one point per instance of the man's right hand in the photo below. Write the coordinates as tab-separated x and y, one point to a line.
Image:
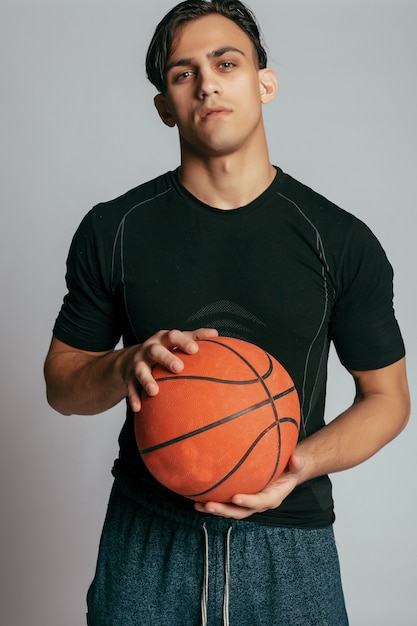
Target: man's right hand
86	383
163	348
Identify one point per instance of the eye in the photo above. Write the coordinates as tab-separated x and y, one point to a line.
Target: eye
227	65
183	76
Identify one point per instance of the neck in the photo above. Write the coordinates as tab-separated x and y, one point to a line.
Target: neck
226	182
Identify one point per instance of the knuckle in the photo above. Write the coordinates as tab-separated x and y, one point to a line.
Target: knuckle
173	335
151	351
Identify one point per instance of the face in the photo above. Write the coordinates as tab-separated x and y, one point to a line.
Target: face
214	88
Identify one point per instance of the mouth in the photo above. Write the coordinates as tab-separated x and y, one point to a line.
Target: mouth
213	112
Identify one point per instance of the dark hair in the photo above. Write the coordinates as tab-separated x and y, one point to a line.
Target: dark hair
160	47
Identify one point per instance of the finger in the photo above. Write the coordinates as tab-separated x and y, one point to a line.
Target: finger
271	497
161	354
259	502
187	341
205	333
164	349
229	511
133	398
144	378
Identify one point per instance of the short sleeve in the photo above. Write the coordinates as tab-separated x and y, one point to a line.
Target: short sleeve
88	319
364	328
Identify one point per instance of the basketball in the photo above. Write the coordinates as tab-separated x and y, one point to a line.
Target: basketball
227	424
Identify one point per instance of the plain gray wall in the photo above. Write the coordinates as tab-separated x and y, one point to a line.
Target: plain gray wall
78	127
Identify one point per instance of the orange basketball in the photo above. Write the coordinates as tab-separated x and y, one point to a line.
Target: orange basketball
226	425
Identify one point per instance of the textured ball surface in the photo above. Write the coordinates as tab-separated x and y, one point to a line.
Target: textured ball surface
227	424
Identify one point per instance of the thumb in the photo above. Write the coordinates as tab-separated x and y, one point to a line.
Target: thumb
295	463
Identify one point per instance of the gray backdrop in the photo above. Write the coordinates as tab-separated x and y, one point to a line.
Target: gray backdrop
77	127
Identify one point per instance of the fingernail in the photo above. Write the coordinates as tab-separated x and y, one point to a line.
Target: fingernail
151	389
176	366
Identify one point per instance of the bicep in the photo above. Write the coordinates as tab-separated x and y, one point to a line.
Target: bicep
59	347
389	382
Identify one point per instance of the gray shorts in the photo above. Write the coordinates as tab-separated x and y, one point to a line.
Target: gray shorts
161	568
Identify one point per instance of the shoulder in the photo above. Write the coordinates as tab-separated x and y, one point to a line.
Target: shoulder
103	225
114	211
312	205
336	227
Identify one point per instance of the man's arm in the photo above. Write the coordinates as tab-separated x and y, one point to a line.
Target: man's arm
379	413
87	383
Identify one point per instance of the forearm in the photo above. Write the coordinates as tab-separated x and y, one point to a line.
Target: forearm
380	412
83	384
356	435
86	383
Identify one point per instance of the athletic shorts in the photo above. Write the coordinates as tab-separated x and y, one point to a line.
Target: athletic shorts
182	568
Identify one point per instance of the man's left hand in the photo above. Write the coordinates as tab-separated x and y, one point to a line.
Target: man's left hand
245	505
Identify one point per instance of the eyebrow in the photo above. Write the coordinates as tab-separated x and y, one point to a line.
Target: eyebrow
211	55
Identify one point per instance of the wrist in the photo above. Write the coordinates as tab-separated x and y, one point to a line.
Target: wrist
302	463
123	366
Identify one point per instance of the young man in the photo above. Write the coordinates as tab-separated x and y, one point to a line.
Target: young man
226	244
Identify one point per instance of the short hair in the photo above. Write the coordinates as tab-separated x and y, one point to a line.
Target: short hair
160	47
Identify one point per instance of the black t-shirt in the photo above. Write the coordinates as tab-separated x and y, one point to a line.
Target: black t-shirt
290	272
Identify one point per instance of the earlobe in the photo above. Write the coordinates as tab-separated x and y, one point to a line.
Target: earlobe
164	112
268	85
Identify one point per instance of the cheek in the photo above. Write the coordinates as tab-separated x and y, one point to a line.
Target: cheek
178	104
246	90
179	115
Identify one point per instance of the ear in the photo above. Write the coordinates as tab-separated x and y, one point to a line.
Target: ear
163	109
268	85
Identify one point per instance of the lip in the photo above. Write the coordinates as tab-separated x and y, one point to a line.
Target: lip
215	111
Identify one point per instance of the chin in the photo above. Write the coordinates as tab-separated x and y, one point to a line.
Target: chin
220	148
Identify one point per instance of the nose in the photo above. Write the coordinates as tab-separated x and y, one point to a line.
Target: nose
208	83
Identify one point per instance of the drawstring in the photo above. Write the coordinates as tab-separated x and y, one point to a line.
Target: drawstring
204	593
226	579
